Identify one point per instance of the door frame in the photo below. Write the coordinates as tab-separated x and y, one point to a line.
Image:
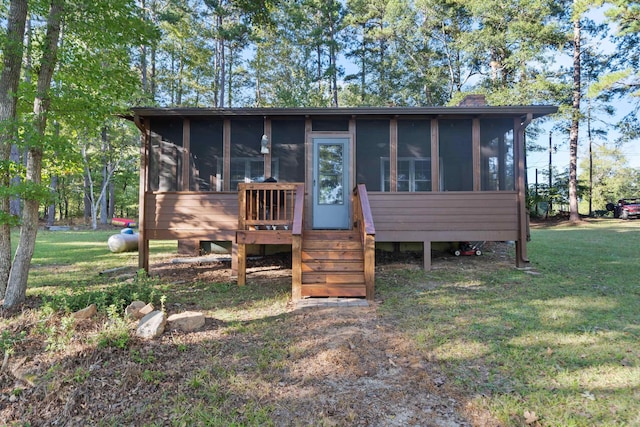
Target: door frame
310	135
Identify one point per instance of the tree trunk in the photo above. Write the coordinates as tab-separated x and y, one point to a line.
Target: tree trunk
105	173
9	80
575	120
112	200
51	210
87	196
17	285
14	203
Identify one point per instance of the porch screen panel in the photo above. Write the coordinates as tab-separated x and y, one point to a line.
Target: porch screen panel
414	155
206	155
165	155
287	150
456	152
497	168
247	164
372	148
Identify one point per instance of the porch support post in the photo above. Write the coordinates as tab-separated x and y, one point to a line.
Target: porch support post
234	259
242	264
435	156
296	267
522	259
426	255
143	242
475	138
369	265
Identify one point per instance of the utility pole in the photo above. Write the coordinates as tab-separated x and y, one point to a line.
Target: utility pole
590	156
550	173
537	192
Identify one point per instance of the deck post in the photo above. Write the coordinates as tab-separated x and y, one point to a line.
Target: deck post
234	259
370	265
242	264
296	267
426	255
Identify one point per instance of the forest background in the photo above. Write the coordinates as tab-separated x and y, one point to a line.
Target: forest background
71	69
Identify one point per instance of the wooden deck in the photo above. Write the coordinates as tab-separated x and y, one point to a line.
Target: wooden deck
324	262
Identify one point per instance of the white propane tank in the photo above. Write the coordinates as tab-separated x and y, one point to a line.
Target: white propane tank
123	242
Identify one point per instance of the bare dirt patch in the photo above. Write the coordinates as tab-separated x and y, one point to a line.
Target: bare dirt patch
271	365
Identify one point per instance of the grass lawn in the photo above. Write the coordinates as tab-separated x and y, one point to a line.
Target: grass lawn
557	344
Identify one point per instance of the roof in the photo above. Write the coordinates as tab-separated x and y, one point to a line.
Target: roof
475	111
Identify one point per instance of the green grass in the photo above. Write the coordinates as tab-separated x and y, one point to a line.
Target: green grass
78	256
561	341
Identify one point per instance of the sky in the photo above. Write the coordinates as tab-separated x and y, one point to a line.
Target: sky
560	141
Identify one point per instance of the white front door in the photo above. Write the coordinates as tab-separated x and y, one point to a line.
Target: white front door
331	196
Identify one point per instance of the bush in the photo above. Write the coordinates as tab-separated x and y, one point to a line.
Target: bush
74	298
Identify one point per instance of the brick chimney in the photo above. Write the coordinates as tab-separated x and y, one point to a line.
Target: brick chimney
474	100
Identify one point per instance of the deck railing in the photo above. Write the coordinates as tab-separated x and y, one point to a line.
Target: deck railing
266	206
363	222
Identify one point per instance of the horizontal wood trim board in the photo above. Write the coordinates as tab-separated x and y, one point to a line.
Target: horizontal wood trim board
447	236
265	237
165	210
205	235
448	206
330	291
330	235
327	266
442	195
332	255
194	204
427	213
443	218
332	278
446	229
197	226
330	245
196	219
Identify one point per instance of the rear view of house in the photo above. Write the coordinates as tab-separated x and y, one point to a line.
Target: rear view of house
341	180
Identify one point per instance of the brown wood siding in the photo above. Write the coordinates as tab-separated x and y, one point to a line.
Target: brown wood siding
205	216
444	216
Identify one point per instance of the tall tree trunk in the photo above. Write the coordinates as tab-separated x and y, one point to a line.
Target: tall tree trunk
105	173
14	203
17	285
112	200
87	196
9	80
575	120
51	210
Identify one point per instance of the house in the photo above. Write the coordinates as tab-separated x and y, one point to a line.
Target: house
343	181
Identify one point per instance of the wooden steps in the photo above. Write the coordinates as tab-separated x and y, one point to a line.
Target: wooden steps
332	264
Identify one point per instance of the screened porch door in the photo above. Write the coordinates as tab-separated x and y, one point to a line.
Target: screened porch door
331	183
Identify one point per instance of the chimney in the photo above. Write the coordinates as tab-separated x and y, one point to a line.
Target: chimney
474	100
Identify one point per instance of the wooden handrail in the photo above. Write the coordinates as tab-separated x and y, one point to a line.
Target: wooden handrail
365	209
298	211
363	220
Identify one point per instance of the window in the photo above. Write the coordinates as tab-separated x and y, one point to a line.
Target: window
414	174
250	169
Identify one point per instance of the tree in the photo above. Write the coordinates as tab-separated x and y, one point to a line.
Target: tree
9	79
17	283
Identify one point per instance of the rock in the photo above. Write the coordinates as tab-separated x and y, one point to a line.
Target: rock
86	313
146	310
133	310
186	321
152	325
